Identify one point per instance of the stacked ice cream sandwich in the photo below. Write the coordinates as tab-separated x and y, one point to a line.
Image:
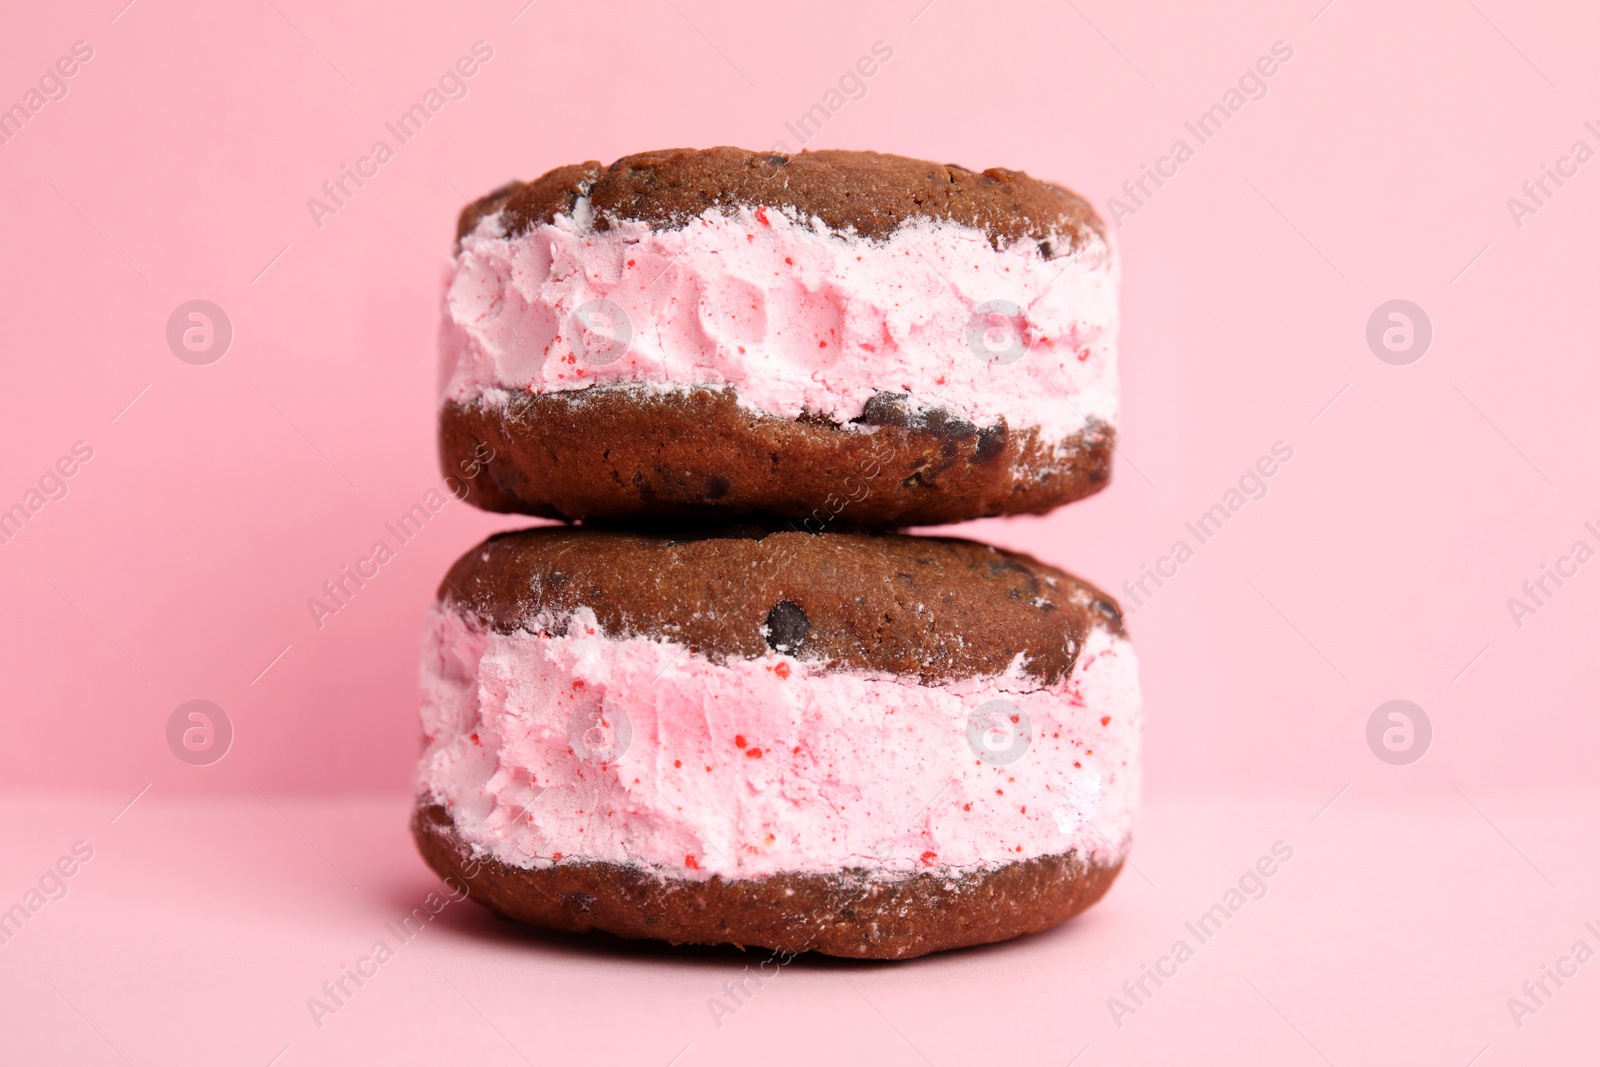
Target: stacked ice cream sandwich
725	702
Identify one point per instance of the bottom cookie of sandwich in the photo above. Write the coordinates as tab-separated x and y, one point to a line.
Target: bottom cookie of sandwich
853	913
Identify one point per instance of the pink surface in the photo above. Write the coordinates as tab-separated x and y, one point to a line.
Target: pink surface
185	515
1393	935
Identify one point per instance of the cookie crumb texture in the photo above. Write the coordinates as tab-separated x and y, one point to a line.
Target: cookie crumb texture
607	453
850	914
928	609
866	193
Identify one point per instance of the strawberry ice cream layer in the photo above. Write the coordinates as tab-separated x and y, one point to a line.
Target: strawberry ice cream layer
550	749
791	316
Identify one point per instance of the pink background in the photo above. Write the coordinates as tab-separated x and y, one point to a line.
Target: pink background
1377	167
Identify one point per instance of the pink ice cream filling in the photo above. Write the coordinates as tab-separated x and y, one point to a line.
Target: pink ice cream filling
637	751
792	317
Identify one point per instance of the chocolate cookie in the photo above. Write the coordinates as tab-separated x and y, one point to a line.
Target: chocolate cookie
934	608
850	743
614	453
725	334
867	193
854	913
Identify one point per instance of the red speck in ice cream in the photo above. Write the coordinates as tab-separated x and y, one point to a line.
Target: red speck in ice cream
761	216
929	857
690	862
557	857
754	753
1105	720
630	262
789	260
677	763
781	670
577	683
739	741
475	740
1075	763
822	344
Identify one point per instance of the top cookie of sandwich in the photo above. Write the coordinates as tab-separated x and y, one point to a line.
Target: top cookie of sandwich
869	194
932	608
